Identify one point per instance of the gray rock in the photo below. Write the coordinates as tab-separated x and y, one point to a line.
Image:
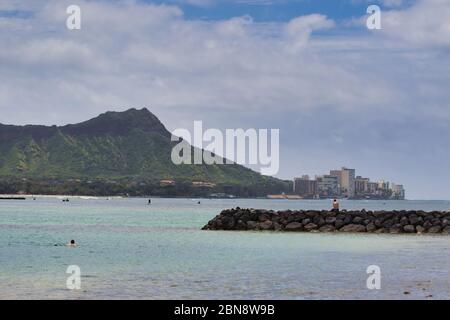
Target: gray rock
300	216
276	218
266	225
339	223
434	229
251	225
241	225
353	228
327	228
414	219
228	223
394	230
436	222
310	227
388	223
371	227
330	220
377	213
420	229
446	230
358	220
331	214
294	226
311	214
217	224
437	214
378	222
306	221
427	224
291	218
277	226
319	221
409	228
404	221
264	217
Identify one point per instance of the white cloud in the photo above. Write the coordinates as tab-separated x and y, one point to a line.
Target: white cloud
392	3
426	23
234	27
299	29
138	54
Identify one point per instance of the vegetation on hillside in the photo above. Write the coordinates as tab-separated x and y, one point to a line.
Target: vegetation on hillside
114	153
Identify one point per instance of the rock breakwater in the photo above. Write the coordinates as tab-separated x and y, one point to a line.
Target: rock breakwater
411	221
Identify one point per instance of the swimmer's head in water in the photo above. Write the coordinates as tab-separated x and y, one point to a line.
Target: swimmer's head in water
72	241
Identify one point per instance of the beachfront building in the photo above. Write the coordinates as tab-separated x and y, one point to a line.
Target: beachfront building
327	186
383	185
338	175
372	186
305	187
362	186
346	181
398	192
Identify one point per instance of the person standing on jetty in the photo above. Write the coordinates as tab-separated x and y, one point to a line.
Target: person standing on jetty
335	206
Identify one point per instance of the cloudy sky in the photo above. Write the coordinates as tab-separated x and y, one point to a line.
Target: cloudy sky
341	95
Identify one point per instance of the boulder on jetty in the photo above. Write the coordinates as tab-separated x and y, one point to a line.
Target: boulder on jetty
418	222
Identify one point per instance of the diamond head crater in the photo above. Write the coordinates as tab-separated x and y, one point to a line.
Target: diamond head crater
116	154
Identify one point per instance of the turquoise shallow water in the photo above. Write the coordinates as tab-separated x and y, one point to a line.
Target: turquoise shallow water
130	250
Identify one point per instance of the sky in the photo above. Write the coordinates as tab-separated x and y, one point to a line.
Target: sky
341	94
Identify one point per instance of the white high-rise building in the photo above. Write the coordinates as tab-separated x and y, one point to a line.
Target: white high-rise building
348	182
398	192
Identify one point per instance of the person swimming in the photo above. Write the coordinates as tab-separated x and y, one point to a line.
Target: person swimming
335	206
72	243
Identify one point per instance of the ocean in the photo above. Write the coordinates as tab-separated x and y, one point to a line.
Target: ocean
128	249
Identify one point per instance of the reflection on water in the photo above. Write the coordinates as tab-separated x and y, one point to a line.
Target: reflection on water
128	249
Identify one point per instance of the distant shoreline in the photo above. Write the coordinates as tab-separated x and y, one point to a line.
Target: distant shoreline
194	197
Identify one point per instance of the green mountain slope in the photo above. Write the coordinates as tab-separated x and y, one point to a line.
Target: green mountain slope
115	145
